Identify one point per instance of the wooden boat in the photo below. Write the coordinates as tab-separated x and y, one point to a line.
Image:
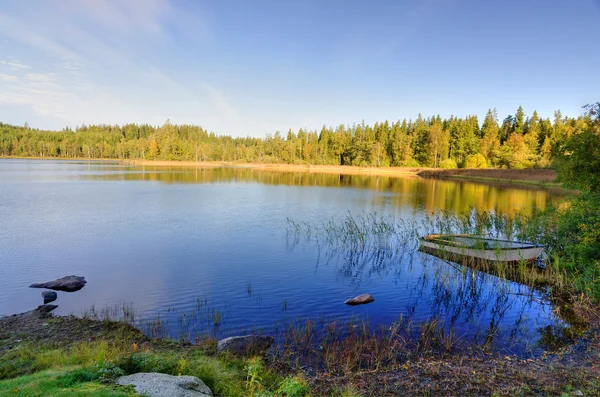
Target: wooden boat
466	249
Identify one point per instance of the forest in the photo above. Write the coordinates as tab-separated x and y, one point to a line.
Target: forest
519	141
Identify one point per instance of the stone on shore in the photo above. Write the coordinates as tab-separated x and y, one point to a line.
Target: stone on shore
46	308
67	284
49	296
162	385
246	345
360	300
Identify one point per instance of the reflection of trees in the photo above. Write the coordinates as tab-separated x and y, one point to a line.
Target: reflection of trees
415	192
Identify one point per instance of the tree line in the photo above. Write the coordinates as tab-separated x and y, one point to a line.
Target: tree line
519	141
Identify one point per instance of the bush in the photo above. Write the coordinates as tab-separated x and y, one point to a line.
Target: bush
448	163
475	161
293	387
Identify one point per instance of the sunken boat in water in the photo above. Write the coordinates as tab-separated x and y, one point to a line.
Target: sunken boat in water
470	249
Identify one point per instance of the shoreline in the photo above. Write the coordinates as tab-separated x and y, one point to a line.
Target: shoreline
41	350
537	177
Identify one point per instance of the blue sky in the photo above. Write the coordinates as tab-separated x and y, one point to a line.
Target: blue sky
251	67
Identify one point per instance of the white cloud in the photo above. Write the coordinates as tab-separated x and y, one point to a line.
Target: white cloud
86	65
8	78
14	65
40	77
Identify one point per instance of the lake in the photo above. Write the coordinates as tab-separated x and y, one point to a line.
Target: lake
214	245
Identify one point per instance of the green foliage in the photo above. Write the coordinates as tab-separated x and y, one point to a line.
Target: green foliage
253	368
295	386
519	143
475	161
448	163
108	370
571	234
579	163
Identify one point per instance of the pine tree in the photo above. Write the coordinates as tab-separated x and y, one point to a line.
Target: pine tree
519	121
532	135
490	141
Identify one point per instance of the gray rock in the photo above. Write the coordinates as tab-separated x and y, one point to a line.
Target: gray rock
246	345
49	296
578	393
46	308
360	300
68	284
163	385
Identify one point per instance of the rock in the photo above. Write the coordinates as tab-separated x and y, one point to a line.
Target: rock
246	345
578	393
163	385
46	308
68	284
49	296
360	300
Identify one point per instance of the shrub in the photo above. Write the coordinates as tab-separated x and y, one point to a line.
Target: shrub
475	161
448	163
293	387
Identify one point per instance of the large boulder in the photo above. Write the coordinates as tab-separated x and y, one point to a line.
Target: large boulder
360	300
246	345
49	296
153	384
67	284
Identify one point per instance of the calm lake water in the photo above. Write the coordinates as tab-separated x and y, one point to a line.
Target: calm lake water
205	241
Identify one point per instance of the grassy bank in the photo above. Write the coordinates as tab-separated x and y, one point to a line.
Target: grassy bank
76	357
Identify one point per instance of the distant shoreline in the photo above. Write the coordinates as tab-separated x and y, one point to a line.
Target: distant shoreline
545	177
528	176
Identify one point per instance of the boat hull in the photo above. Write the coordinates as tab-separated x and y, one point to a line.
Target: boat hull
467	255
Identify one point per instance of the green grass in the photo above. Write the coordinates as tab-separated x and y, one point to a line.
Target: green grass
71	382
90	368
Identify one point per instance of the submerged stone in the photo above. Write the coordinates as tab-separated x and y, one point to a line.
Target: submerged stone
67	284
360	300
49	296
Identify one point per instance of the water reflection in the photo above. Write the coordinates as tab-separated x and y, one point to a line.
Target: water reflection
416	192
481	307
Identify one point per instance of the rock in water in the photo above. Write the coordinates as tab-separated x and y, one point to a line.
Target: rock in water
360	300
246	345
49	296
163	385
68	284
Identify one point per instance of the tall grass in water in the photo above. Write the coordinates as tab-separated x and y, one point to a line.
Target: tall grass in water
350	346
370	242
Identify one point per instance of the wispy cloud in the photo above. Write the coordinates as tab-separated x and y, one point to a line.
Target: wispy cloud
9	78
40	77
14	65
93	61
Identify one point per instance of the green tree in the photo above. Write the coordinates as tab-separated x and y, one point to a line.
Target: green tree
519	121
579	162
490	141
475	161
